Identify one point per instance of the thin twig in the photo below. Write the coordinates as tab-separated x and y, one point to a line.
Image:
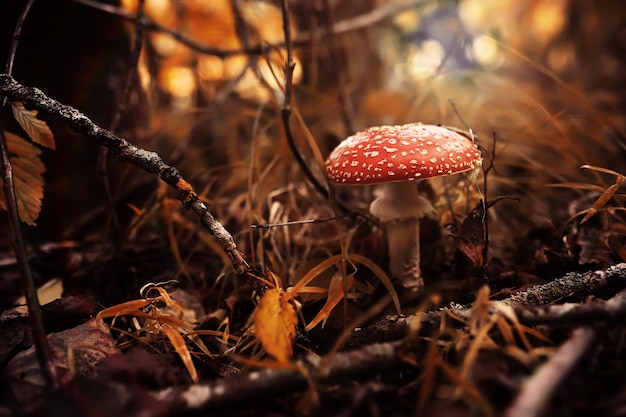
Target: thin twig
117	117
486	171
485	191
297	222
355	23
186	40
132	74
151	162
44	353
286	110
286	113
340	59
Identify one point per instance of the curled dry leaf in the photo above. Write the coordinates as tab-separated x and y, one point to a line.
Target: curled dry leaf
37	129
27	176
275	324
337	291
167	320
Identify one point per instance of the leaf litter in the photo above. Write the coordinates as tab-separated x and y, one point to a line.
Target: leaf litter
321	277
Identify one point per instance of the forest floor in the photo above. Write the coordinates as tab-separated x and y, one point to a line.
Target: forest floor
207	265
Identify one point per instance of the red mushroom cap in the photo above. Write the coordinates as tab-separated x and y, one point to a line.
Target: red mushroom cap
401	153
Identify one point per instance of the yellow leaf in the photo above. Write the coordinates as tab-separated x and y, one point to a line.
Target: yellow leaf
27	177
37	129
275	323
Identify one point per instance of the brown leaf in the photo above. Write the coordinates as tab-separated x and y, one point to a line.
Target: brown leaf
27	176
275	323
37	129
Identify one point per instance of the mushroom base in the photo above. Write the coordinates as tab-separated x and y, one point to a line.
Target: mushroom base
404	252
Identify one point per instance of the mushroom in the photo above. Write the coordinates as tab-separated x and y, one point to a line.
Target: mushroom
397	157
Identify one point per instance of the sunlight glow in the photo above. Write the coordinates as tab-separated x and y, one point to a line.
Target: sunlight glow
210	68
486	52
178	81
548	19
164	44
559	58
426	60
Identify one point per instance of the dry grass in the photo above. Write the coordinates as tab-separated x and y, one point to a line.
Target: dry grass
540	111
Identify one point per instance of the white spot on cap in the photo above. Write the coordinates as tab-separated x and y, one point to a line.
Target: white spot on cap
371	151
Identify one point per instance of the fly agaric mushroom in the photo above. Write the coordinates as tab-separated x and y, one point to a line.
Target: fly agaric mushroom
397	157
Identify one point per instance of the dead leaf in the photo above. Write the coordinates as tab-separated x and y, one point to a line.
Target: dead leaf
336	292
37	129
27	176
178	342
606	195
275	323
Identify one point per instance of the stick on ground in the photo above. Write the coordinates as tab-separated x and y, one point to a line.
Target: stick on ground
531	306
538	388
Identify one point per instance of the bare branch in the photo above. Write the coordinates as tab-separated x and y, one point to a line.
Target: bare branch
365	20
34	98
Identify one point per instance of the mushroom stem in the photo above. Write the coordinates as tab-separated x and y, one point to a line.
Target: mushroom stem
403	242
400	209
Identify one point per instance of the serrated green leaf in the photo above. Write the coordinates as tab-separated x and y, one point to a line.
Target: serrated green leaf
37	129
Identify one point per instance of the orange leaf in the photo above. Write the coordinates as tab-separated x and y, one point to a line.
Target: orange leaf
275	323
603	199
336	293
27	176
183	351
37	129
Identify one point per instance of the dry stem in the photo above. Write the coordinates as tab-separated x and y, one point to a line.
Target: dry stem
44	352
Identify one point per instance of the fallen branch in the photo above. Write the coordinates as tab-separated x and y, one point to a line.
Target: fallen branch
35	99
531	306
574	313
538	389
243	388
